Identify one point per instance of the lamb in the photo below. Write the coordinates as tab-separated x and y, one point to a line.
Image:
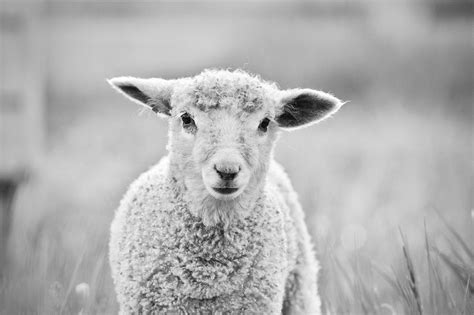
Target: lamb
216	226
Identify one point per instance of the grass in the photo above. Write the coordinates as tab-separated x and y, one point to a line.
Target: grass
364	287
370	179
436	282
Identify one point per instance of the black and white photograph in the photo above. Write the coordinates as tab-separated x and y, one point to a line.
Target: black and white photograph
293	157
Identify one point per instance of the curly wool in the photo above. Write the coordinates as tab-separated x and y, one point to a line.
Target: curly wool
174	247
216	88
164	259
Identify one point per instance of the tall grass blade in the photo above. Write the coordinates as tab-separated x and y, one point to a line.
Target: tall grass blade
411	272
456	235
463	272
72	281
95	281
430	270
464	306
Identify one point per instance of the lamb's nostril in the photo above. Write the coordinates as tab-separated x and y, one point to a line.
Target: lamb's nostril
227	174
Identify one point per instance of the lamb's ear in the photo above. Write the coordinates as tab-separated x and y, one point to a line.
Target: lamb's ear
153	93
302	107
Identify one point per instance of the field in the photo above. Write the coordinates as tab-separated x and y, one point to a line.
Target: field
386	184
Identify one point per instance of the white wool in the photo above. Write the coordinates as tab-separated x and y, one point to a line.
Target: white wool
176	247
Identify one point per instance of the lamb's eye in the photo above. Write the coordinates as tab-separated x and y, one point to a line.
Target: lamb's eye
188	122
264	125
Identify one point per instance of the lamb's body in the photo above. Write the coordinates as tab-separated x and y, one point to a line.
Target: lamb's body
164	258
216	225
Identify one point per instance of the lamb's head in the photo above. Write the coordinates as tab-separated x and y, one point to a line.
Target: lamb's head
223	126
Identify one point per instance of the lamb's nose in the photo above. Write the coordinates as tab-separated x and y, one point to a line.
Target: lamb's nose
227	172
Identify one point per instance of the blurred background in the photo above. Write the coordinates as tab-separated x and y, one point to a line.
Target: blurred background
386	184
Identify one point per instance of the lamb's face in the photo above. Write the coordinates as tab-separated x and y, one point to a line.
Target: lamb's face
225	142
222	128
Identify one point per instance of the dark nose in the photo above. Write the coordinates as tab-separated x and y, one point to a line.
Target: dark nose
227	173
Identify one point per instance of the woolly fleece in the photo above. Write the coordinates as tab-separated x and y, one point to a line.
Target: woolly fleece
164	259
174	248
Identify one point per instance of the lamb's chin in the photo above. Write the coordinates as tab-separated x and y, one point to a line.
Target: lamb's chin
219	211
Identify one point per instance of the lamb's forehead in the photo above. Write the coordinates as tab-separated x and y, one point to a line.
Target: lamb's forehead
236	90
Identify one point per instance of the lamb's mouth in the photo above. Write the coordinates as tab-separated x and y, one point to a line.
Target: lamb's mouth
225	190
